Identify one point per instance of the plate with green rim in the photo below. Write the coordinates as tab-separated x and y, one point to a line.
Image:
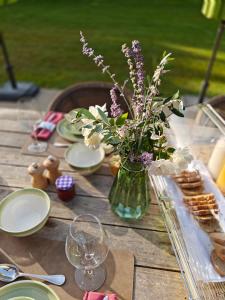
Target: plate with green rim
24	212
82	157
27	289
69	131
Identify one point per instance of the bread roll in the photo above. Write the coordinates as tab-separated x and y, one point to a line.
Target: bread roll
218	263
218	237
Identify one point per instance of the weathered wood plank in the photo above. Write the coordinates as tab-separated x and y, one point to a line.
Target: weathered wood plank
14	157
12	139
15	126
93	185
158	284
151	248
99	207
96	185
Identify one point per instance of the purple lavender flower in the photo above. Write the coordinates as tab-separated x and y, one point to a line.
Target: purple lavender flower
86	50
115	108
136	47
139	63
146	158
98	60
126	51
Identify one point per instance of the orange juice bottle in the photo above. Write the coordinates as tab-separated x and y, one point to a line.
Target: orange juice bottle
221	180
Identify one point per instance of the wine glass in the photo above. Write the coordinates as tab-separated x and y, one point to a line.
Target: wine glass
86	249
29	116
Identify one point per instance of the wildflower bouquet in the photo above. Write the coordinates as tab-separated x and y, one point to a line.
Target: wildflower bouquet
138	135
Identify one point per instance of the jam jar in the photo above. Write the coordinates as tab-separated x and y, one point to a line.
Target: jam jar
65	187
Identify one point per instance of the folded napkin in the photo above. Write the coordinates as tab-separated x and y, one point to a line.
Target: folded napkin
45	128
98	296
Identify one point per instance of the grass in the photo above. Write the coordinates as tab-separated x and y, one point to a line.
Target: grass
43	40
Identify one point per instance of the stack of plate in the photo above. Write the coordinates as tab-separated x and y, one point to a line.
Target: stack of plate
24	212
83	159
68	131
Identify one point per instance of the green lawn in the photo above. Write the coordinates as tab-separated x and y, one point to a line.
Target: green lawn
43	40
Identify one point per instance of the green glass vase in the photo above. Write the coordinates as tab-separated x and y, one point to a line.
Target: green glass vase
130	193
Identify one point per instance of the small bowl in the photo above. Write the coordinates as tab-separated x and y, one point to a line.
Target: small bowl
83	158
24	212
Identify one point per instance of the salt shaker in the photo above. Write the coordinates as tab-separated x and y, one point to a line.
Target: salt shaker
52	164
38	180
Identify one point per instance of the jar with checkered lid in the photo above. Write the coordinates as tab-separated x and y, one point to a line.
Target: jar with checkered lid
65	187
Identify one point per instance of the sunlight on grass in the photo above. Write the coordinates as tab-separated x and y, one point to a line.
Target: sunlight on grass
43	40
199	52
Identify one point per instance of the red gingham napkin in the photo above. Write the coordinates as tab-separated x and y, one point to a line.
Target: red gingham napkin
46	127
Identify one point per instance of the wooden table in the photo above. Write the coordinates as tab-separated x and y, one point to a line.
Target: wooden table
157	274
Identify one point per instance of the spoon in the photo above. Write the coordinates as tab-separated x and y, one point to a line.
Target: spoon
9	273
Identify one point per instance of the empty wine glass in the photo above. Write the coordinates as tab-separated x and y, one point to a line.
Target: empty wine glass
29	116
86	249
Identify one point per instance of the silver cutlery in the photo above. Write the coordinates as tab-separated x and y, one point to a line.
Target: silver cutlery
61	145
9	273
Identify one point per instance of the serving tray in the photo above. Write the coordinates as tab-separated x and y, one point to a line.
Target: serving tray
199	131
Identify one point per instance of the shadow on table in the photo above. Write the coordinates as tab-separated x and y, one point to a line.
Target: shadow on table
43	256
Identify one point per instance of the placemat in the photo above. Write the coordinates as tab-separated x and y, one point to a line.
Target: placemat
42	256
51	149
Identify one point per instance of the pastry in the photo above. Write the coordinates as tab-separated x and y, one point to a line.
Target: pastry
218	237
220	250
187	174
218	263
202	197
185	179
204	212
191	185
205	219
193	192
198	203
203	206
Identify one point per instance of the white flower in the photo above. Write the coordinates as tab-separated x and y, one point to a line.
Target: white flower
94	111
87	122
181	158
178	104
166	111
122	131
107	148
157	74
162	167
86	131
94	140
155	136
178	162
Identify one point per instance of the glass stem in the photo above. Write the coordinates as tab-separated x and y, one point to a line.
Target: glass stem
89	273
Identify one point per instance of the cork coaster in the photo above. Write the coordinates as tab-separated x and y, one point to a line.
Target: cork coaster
51	149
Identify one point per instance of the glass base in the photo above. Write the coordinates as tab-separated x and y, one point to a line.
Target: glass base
90	280
128	213
37	147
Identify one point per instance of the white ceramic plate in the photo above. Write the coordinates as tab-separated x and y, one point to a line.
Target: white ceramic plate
80	156
24	212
